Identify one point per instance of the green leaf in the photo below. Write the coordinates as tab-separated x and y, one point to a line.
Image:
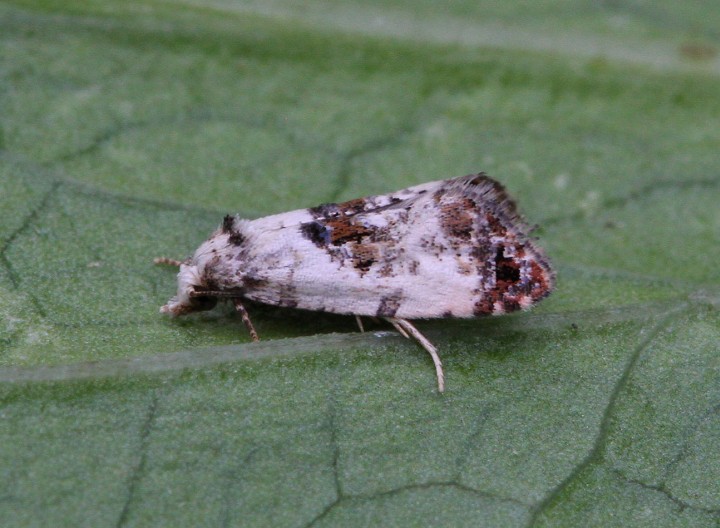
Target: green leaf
129	129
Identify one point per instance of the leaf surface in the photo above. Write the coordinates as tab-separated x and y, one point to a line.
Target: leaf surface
128	130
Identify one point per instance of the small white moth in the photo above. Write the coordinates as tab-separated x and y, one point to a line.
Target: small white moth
451	248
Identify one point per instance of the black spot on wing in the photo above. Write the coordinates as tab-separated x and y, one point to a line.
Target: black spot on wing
317	233
507	270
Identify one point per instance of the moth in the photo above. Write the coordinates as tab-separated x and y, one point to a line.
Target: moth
450	248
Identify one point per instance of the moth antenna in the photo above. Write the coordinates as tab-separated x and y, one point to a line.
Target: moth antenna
358	320
246	319
405	327
168	261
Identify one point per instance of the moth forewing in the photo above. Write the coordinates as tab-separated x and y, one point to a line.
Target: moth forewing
451	248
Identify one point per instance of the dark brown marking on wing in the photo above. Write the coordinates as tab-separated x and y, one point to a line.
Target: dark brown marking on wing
364	256
326	210
518	279
497	196
228	227
253	282
389	305
335	210
352	207
413	267
511	271
387	269
542	280
480	231
287	301
228	224
483	306
236	239
507	270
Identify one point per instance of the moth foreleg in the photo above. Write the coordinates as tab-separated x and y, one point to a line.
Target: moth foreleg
407	329
246	319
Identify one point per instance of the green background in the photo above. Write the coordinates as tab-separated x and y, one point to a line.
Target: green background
127	129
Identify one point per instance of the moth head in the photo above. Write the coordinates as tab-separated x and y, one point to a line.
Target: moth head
213	271
189	296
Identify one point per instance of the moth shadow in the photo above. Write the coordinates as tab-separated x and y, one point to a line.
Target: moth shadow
491	336
278	322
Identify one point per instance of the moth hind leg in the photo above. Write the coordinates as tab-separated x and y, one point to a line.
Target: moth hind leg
359	322
408	330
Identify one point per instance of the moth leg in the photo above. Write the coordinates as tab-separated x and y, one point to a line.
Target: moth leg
168	261
407	329
399	328
358	320
246	319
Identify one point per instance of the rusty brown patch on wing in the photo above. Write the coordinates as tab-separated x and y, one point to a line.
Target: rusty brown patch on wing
351	207
483	306
542	280
343	230
457	219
